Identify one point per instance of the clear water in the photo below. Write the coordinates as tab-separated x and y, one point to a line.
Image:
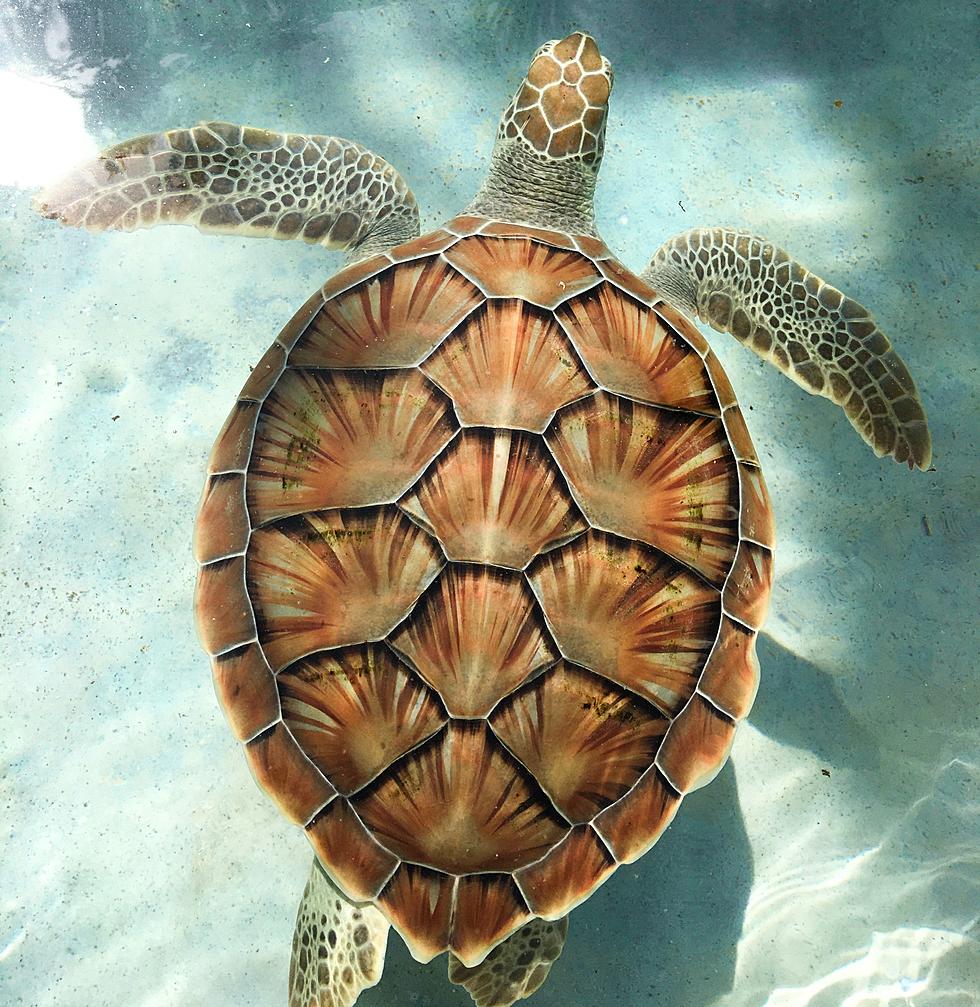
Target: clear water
836	861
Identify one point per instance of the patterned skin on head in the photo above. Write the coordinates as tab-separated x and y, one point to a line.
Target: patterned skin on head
560	109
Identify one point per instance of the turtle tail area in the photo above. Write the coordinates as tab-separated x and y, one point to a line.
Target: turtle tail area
338	947
514	969
826	342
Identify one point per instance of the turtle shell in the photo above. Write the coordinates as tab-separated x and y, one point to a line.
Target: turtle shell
484	549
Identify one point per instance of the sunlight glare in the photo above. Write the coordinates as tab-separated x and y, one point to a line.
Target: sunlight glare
44	127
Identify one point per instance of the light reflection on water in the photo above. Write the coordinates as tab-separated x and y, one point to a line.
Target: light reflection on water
45	128
927	860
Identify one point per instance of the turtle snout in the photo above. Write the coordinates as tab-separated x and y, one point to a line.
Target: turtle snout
579	46
577	59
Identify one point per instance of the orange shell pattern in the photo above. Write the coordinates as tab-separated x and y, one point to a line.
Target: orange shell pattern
484	551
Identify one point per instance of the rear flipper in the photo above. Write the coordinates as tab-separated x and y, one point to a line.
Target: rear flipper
514	969
826	342
338	947
228	179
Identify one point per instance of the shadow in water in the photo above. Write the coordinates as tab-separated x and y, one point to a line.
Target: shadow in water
799	705
676	914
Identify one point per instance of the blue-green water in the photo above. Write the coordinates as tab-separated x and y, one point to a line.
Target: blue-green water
836	861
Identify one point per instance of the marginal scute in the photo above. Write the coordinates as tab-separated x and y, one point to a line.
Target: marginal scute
233	444
746	594
298	324
629	614
723	387
489	907
660	476
508	365
696	746
355	710
585	740
222	606
459	804
505	230
738	435
427	244
683	326
755	517
465	225
222	526
246	690
350	854
265	373
419	904
731	676
287	775
476	634
594	248
333	578
629	350
351	275
635	823
568	875
511	267
625	279
344	439
514	504
393	319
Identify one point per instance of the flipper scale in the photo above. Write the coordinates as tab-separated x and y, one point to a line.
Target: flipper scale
514	969
228	179
338	947
823	340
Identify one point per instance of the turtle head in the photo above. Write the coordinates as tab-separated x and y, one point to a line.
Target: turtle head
560	108
551	138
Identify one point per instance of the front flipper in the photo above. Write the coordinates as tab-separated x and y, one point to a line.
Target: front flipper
338	947
514	969
228	179
826	342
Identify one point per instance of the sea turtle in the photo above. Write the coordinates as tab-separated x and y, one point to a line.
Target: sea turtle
485	545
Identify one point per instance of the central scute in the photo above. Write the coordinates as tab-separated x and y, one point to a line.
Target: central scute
462	805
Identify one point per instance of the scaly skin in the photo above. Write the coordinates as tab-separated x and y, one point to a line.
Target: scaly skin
228	179
826	342
550	141
326	921
515	969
